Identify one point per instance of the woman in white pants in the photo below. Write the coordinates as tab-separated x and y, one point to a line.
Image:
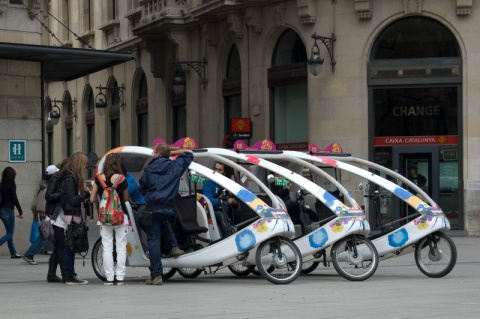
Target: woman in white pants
112	177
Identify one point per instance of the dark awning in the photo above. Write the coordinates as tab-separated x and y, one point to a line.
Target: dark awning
63	64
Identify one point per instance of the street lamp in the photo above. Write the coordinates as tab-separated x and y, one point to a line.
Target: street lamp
54	115
315	62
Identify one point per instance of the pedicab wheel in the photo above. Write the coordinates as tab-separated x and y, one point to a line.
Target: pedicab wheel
309	266
241	270
189	272
97	260
279	260
355	257
168	272
436	255
257	273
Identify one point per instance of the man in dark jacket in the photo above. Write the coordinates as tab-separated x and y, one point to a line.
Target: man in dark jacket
159	185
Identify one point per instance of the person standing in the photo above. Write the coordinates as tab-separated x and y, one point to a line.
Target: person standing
111	172
159	185
9	201
53	209
73	194
38	208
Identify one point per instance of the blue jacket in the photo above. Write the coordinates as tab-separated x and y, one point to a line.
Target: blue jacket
160	180
134	191
209	190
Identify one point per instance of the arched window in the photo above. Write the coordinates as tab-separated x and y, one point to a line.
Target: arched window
141	109
232	89
287	80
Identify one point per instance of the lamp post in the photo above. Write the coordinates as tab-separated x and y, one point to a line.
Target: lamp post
54	115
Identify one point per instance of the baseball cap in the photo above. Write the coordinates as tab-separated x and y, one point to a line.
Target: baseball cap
51	169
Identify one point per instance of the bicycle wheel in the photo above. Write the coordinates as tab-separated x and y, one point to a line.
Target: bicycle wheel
97	259
257	273
241	270
309	266
281	254
168	272
189	272
355	258
436	255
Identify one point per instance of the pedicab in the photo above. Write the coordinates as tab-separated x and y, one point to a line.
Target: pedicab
265	242
336	239
423	232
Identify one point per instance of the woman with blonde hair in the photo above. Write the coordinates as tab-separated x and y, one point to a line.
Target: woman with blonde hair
112	176
73	194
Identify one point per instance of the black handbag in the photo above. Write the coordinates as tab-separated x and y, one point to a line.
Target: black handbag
77	237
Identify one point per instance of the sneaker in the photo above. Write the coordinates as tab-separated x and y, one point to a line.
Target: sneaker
175	252
30	261
54	279
119	283
76	281
157	281
108	283
149	282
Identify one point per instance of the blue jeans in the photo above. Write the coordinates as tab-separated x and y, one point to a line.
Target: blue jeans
36	246
8	218
160	225
69	260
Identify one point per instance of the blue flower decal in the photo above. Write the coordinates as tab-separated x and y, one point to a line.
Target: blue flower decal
402	193
398	238
245	240
246	196
329	199
318	238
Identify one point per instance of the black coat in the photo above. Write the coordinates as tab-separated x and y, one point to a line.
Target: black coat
70	197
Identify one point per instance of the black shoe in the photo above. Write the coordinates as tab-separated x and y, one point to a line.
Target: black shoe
16	256
76	281
54	278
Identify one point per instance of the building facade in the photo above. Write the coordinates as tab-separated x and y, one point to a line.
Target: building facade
398	84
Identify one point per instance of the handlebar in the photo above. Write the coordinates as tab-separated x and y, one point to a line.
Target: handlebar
377	195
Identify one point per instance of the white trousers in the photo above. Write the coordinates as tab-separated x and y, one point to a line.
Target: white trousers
107	233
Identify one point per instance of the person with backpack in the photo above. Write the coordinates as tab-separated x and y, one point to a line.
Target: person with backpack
112	217
159	185
38	208
72	193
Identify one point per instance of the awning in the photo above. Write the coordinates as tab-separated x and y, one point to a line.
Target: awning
63	64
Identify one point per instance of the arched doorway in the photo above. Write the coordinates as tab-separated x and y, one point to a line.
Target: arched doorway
287	80
415	85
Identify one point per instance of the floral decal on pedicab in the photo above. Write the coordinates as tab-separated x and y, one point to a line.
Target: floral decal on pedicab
245	239
398	238
318	238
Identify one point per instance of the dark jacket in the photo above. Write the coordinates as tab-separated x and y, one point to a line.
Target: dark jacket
160	180
52	196
70	197
9	196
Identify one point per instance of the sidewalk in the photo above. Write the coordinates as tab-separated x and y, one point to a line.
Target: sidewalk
397	290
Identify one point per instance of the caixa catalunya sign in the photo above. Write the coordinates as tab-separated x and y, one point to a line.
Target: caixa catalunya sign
415	140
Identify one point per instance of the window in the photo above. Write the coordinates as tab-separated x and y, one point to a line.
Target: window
289	103
232	89
142	112
87	16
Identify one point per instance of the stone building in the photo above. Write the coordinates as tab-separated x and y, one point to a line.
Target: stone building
398	84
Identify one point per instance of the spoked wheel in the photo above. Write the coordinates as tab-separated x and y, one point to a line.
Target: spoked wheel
309	266
168	272
97	259
257	273
189	272
436	255
281	254
355	258
241	270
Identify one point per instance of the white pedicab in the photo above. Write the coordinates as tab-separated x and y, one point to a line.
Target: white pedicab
266	241
337	239
435	252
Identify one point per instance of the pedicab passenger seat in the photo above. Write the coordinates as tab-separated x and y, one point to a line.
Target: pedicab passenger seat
186	209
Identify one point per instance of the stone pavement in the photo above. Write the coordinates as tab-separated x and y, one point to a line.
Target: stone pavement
397	290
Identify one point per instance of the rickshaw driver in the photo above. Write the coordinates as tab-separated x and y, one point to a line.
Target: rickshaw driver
159	185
